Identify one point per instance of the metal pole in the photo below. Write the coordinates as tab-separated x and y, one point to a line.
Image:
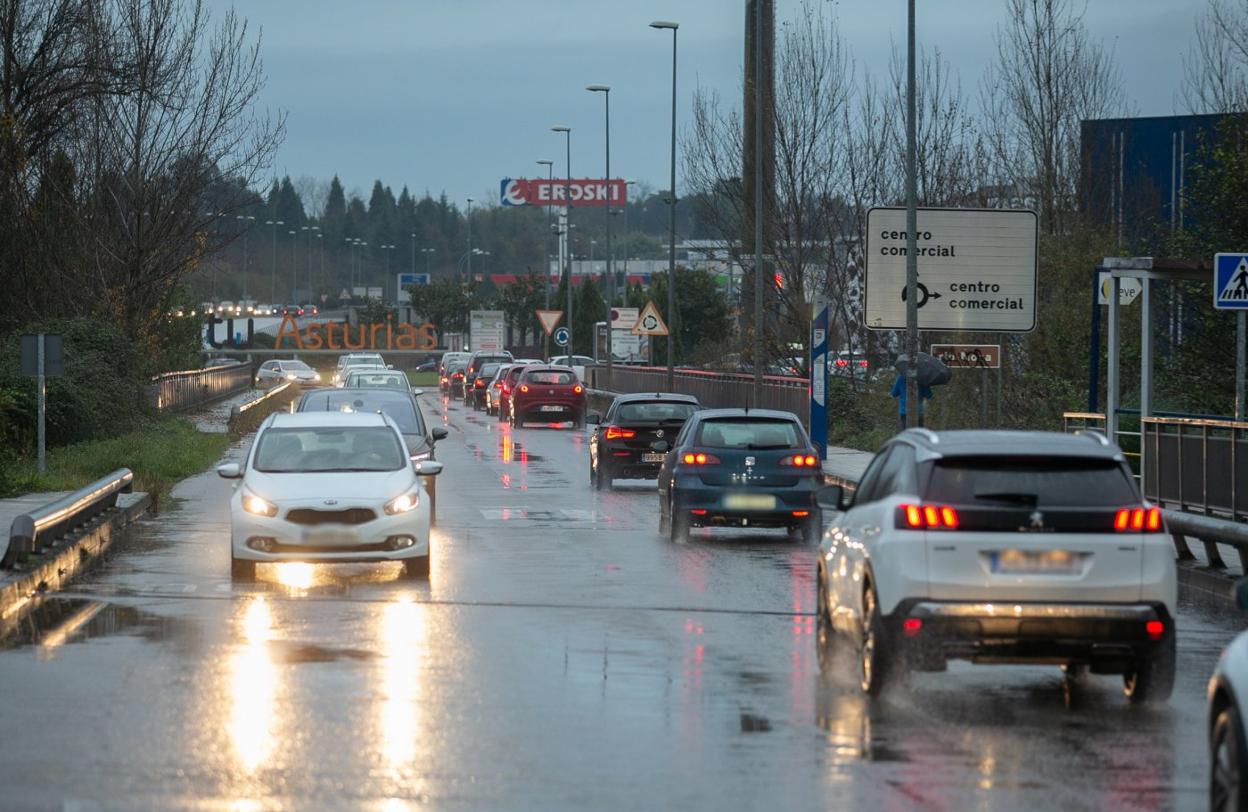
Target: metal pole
1241	336
671	247
567	225
759	270
41	394
468	273
294	267
550	227
610	270
912	268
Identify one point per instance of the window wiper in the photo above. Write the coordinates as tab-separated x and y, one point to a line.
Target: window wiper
1015	498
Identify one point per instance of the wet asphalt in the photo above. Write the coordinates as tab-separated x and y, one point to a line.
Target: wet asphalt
562	655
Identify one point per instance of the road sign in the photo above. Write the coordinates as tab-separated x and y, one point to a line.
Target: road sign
561	336
1230	281
324	298
649	323
819	376
405	281
345	295
487	329
968	356
548	319
53	356
977	269
1128	289
544	192
623	318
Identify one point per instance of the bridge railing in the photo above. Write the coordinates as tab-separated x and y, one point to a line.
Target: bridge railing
174	391
713	389
33	531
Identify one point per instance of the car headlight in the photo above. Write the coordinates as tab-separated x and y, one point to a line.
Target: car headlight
254	504
290	376
403	504
316	376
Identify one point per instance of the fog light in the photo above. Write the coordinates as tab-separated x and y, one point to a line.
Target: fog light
261	543
910	626
400	542
1155	629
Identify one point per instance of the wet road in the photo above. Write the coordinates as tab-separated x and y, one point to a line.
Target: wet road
562	655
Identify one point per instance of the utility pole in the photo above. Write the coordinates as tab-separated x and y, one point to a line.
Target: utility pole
912	261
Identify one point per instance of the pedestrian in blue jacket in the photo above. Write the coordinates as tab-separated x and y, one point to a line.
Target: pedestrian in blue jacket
899	392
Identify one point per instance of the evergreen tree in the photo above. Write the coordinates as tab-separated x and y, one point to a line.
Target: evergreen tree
588	311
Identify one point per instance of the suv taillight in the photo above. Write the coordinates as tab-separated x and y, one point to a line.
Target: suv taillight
524	387
699	458
1138	520
801	461
479	384
578	389
926	517
617	433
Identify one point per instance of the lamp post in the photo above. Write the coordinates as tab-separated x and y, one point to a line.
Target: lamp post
294	266
468	220
550	170
427	252
671	251
246	229
273	270
605	90
567	223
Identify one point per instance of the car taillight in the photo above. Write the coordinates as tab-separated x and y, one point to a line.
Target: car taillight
841	362
524	387
498	385
578	389
617	433
506	389
479	384
699	458
1138	520
862	364
457	375
926	517
1154	629
443	379
801	461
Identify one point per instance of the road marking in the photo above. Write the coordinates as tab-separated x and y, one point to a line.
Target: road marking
505	514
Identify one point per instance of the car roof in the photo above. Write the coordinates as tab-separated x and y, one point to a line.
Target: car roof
767	414
656	396
326	418
981	442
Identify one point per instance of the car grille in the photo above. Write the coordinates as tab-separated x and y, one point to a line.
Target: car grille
314	516
379	547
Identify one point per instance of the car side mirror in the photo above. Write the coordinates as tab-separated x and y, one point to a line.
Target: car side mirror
593	417
439	433
1241	594
830	497
231	470
417	392
428	467
661	446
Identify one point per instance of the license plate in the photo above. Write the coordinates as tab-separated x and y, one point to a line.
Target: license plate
749	501
652	457
551	409
326	538
1025	562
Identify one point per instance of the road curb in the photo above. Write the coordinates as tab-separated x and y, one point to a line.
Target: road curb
66	558
1206	583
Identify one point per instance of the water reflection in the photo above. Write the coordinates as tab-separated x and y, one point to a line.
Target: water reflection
294	574
253	686
403	638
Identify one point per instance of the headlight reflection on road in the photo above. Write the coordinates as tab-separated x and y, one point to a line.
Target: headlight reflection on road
253	687
403	636
295	574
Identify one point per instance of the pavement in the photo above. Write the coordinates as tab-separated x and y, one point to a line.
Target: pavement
562	655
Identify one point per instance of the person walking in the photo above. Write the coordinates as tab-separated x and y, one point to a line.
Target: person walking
899	392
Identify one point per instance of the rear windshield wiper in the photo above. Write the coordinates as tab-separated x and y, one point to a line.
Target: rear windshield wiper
1016	498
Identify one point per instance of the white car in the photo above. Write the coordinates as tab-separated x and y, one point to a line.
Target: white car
343	374
328	487
356	359
295	371
1228	693
998	547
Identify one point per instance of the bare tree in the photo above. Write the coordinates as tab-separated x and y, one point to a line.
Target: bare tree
1215	75
1048	77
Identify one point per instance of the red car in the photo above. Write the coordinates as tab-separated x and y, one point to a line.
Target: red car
548	394
507	383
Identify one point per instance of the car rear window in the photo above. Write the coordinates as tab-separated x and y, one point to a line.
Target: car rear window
399	409
655	411
750	434
1030	481
550	378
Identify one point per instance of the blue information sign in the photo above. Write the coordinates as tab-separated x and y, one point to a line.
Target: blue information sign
561	336
1230	281
819	377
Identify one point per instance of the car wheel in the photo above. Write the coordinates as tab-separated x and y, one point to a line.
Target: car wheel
678	525
824	633
875	661
603	478
512	419
579	422
242	571
416	567
1152	678
812	529
664	517
1227	767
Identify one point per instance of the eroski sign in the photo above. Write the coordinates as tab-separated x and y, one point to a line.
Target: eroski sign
543	192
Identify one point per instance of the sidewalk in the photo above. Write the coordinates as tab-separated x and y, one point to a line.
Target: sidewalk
845	466
215	417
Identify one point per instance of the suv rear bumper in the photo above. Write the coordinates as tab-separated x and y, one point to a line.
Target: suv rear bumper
1106	636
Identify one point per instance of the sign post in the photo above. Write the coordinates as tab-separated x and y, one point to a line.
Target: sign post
974	356
1230	292
819	377
42	357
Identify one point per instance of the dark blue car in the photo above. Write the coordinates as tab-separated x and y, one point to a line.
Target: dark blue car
740	468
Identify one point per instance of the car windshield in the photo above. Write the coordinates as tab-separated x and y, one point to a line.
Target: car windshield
323	449
487	370
379	380
297	366
748	434
549	377
398	408
1031	482
655	412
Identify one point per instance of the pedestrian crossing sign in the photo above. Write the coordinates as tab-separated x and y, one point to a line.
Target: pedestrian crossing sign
1230	281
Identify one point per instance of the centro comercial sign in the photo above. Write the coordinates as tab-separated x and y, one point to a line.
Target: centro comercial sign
332	335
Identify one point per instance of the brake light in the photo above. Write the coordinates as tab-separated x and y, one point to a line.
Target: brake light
578	389
1154	629
926	517
801	461
524	387
1138	520
699	458
457	375
862	364
841	362
911	626
617	433
479	384
443	379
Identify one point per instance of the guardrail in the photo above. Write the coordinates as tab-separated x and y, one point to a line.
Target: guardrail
242	408
174	391
1197	465
712	389
31	532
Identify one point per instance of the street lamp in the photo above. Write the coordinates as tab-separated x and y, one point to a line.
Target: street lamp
294	266
413	252
550	170
427	252
606	96
468	220
273	271
246	228
671	251
567	221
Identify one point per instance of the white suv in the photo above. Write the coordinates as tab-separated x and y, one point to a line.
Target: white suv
999	547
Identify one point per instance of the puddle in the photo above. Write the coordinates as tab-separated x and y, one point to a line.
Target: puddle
57	621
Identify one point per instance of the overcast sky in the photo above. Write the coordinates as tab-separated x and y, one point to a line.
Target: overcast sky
453	95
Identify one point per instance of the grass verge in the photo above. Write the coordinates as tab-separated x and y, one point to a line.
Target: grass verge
422	378
159	454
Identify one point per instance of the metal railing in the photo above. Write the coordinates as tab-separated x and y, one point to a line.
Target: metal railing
33	531
238	411
1197	465
713	389
174	391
